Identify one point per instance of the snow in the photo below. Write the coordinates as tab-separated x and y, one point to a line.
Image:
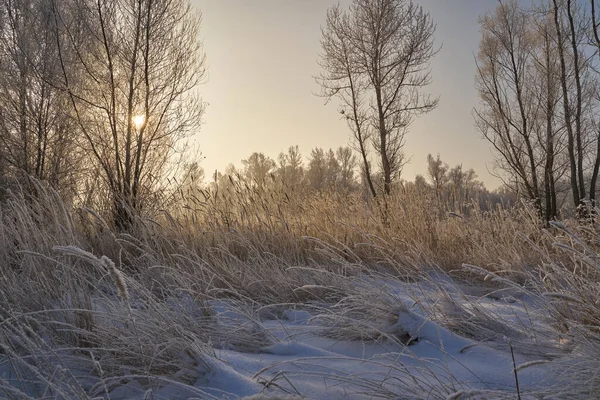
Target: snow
305	359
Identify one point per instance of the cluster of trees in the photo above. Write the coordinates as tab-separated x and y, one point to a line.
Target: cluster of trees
458	189
326	170
36	127
539	86
455	188
96	95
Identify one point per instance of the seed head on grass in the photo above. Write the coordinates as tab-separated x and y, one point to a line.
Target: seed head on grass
117	277
105	262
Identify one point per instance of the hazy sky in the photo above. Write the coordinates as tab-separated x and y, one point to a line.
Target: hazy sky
262	56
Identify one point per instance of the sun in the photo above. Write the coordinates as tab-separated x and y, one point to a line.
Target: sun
138	121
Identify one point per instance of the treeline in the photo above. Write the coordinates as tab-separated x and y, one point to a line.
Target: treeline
325	170
454	189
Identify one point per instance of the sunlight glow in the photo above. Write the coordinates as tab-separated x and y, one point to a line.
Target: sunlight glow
138	121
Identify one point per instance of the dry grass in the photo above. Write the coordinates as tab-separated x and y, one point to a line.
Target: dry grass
328	226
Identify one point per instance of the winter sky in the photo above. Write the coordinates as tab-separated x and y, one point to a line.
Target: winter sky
262	56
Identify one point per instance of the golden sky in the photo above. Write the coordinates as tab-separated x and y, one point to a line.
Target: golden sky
262	56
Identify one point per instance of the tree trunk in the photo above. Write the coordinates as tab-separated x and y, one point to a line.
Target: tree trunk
385	162
594	180
577	200
549	180
577	73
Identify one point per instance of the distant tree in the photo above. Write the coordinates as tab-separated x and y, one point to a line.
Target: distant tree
332	171
421	182
257	168
463	186
347	165
463	182
375	59
291	169
316	174
437	172
456	176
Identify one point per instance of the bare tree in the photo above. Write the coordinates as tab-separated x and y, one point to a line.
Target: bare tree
438	173
347	165
572	117
137	63
333	170
38	135
257	168
463	184
343	80
375	59
316	174
546	75
579	84
291	170
510	111
596	163
539	97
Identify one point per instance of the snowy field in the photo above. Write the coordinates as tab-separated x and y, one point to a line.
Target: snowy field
386	339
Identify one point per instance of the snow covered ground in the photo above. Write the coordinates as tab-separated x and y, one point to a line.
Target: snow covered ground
432	338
